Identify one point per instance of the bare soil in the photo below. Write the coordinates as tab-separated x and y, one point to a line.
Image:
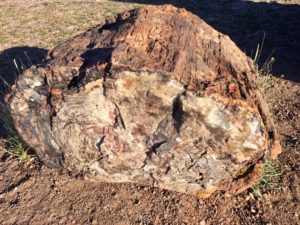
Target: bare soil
30	193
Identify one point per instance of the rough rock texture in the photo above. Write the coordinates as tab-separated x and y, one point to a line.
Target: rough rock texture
154	96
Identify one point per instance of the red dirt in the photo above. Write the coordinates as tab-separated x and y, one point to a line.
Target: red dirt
45	196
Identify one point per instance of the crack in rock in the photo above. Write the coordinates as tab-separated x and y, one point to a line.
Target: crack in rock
135	100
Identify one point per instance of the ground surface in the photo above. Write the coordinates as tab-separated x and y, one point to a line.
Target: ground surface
33	194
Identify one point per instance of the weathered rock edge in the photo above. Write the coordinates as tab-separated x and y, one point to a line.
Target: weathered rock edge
154	96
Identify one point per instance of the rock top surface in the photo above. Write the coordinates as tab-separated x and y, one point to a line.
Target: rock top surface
154	96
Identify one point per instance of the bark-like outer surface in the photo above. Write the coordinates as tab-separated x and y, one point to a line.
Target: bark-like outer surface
153	96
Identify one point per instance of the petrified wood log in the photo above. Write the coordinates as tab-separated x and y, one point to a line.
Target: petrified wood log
153	96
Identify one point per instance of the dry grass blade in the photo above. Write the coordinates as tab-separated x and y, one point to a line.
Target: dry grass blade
266	183
15	146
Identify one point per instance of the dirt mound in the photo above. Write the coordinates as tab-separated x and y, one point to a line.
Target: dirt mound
154	96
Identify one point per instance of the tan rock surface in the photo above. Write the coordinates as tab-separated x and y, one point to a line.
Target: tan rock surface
154	96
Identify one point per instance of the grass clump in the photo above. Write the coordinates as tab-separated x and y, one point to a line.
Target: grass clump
265	80
266	183
15	147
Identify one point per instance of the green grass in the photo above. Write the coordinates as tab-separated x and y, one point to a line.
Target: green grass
266	80
15	147
266	84
266	182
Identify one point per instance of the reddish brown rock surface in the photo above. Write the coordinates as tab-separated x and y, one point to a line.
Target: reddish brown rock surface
154	96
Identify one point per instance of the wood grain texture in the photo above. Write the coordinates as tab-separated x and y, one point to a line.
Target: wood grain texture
153	96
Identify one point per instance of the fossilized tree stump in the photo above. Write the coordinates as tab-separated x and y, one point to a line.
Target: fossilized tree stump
154	96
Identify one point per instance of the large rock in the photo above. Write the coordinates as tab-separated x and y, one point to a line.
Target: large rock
154	96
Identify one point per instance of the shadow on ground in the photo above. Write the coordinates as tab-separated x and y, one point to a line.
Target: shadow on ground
24	57
246	23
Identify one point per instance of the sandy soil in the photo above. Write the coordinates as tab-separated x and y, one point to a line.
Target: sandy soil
33	194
